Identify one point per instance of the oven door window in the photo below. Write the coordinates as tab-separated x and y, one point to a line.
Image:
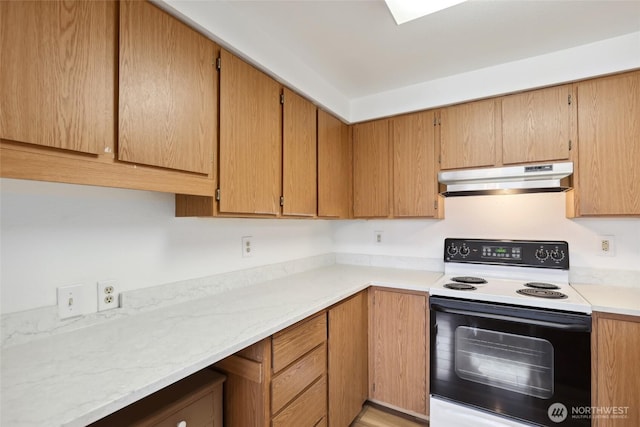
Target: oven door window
512	362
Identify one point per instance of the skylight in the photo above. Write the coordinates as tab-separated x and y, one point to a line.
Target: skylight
408	10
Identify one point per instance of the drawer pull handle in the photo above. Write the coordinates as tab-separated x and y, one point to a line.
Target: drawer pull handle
182	423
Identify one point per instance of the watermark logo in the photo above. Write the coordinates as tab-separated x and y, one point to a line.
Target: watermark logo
557	412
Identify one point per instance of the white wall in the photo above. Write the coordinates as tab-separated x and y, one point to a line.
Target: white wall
529	216
58	234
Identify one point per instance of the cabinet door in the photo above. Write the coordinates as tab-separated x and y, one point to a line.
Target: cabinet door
616	383
334	167
348	347
168	91
609	146
414	168
250	139
468	135
299	156
57	85
399	343
371	169
536	125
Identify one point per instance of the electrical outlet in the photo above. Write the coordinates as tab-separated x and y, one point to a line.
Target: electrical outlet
247	248
377	237
70	301
108	295
606	245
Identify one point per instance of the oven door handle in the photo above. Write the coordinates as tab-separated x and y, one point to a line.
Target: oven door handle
577	327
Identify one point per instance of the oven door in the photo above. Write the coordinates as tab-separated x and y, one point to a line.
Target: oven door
528	364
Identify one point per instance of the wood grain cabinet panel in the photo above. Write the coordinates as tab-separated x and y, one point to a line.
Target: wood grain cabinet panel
536	125
57	86
295	341
307	410
372	169
398	359
609	145
293	380
168	91
414	166
250	139
616	345
299	150
468	135
334	167
196	400
348	358
281	380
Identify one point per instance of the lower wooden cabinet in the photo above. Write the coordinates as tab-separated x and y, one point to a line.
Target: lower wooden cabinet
281	380
348	352
399	350
615	382
193	401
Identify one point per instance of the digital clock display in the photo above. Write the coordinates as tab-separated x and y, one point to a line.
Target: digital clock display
502	252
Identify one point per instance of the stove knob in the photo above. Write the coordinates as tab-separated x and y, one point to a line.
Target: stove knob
464	251
557	255
452	250
542	254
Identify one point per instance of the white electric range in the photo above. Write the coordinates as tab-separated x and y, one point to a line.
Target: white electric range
510	337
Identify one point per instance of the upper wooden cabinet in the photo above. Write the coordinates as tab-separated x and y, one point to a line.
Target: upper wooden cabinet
57	85
414	166
250	139
469	135
299	166
334	167
608	176
167	91
536	125
59	96
372	169
616	345
398	349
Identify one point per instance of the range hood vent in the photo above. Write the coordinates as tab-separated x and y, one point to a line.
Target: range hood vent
541	178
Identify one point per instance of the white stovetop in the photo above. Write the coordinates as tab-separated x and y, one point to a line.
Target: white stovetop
503	282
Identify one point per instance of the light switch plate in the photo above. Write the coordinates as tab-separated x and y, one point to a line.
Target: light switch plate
70	300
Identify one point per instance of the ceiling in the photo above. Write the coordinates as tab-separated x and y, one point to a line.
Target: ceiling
356	48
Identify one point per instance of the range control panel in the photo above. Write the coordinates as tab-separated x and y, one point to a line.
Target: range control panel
524	253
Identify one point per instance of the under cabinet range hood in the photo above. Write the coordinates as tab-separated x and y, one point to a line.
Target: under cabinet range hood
539	178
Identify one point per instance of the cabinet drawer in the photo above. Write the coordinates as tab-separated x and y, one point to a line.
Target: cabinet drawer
291	381
295	341
196	400
307	410
198	414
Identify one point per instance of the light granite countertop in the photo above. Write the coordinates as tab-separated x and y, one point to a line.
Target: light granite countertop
77	377
611	299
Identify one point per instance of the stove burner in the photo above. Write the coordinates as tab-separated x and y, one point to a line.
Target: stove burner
541	285
460	286
469	279
542	293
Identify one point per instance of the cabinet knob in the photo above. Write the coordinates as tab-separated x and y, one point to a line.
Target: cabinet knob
182	424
